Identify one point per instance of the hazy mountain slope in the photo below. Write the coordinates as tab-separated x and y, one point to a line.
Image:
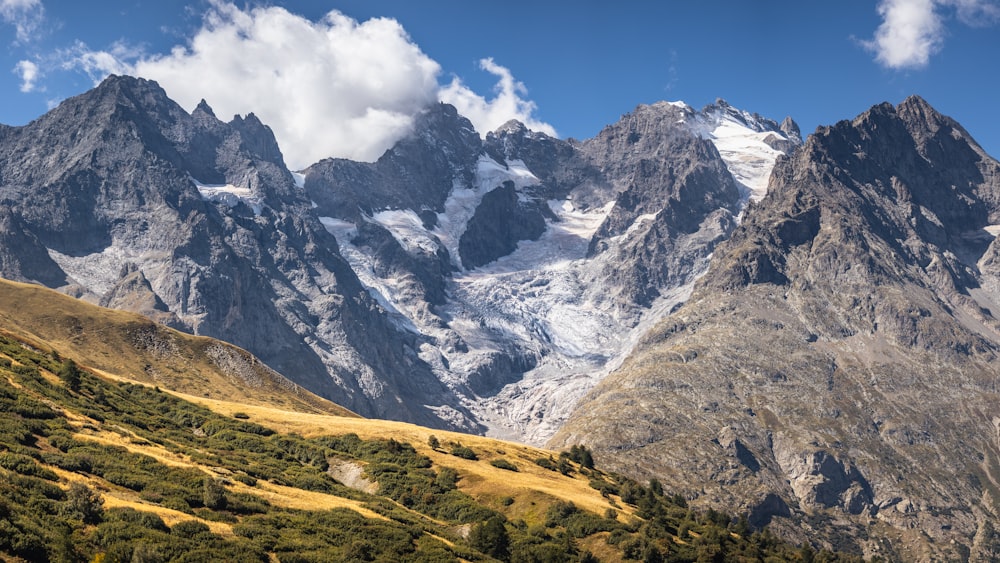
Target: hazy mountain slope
838	362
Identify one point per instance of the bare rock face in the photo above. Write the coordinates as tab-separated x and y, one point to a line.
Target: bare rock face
121	197
500	222
839	358
417	173
527	266
481	284
674	189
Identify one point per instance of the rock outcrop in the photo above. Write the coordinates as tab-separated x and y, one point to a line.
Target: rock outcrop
120	197
840	355
529	265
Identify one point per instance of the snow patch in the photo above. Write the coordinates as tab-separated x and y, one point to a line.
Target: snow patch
230	195
739	138
408	230
381	289
639	222
564	242
340	229
463	201
300	180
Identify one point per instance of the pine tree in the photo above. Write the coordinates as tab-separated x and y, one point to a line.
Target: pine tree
69	373
491	538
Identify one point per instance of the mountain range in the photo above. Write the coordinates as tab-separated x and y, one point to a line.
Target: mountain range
802	329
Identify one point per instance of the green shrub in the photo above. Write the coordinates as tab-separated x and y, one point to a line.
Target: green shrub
546	463
213	494
69	373
464	452
189	529
580	454
83	503
502	463
491	538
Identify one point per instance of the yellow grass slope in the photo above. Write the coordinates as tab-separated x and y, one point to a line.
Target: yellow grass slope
131	346
122	345
532	487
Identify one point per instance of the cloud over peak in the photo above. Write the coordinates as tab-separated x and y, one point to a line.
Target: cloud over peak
334	87
914	30
488	115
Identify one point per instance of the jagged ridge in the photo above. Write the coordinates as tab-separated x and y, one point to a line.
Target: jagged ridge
838	360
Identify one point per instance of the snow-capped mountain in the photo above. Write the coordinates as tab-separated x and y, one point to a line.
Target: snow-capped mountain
810	336
529	266
475	283
121	197
836	368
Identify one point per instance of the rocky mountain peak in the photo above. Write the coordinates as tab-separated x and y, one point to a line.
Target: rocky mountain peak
722	110
856	299
258	139
131	99
204	108
907	177
418	172
442	126
917	112
791	129
512	127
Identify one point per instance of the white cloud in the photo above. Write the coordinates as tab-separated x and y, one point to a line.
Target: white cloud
914	30
508	103
975	13
24	15
28	71
910	33
331	88
99	64
334	87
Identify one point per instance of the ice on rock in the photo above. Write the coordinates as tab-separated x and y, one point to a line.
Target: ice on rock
740	139
230	195
538	301
408	229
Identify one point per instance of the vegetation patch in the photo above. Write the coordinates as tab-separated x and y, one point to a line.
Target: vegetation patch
112	471
502	463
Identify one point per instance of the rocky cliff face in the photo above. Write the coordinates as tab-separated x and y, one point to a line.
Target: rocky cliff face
527	266
838	362
474	283
121	197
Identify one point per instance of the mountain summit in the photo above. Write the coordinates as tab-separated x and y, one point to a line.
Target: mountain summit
837	362
121	197
480	284
528	265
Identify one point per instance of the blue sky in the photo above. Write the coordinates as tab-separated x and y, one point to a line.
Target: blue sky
333	81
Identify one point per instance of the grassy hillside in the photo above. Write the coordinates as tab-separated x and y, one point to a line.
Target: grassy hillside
131	346
98	468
